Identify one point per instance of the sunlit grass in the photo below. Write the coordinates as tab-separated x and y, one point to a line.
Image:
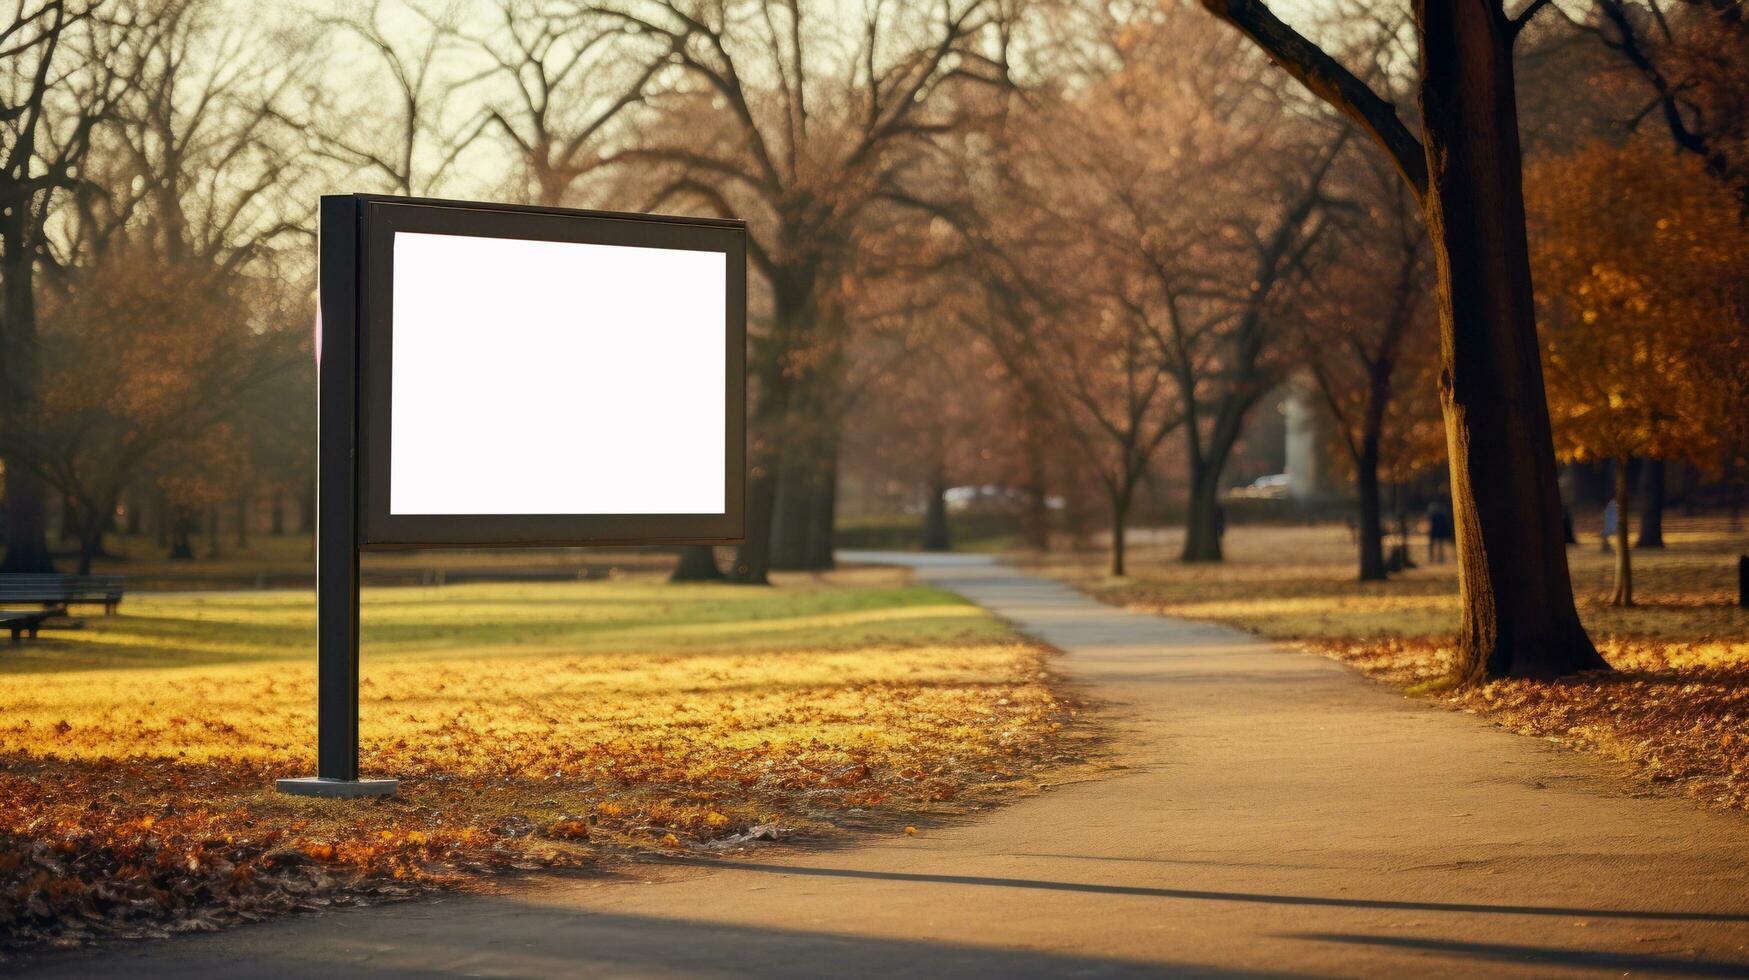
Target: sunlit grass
661	715
167	631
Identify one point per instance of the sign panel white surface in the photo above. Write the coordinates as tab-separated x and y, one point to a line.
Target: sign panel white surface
541	377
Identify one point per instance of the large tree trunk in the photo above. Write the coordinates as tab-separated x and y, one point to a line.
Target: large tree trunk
1652	506
698	563
935	537
823	526
801	525
768	450
765	455
753	558
27	544
807	492
1624	565
1202	521
1518	614
26	531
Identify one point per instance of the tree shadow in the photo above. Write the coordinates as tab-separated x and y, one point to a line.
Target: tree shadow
1259	898
1552	955
508	937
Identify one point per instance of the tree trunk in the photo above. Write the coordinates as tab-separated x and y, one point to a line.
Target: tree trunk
801	536
243	521
1652	506
1518	614
181	534
27	544
823	527
90	540
935	513
1202	530
807	491
767	424
1372	525
1035	520
1120	513
753	558
1624	566
276	515
26	532
1366	461
698	563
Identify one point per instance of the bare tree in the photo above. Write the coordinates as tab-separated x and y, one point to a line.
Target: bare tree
1360	329
412	147
801	120
1186	106
58	80
171	295
565	80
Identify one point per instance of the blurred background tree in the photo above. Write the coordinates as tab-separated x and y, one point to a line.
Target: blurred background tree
1641	261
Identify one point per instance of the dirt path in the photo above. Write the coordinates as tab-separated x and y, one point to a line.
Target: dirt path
1277	815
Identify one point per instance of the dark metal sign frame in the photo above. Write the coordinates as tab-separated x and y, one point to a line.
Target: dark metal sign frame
354	424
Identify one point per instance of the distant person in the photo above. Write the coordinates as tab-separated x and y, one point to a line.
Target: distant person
1439	531
1567	534
1610	515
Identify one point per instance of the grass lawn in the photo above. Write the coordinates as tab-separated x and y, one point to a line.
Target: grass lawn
287	561
1676	708
532	725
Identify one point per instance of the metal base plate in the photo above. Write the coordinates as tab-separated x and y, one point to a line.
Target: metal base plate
317	786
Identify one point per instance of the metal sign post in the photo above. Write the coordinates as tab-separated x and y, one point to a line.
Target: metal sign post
355	350
337	545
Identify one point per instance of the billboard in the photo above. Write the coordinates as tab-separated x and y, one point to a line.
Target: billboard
502	375
545	376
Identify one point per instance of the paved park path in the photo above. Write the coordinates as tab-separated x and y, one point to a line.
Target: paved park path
1276	814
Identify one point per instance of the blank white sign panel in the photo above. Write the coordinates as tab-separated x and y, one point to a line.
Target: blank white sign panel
536	377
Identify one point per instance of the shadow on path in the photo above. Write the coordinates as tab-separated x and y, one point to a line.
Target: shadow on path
1259	898
1554	956
507	937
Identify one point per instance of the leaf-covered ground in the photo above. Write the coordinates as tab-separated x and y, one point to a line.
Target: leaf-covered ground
1676	708
532	726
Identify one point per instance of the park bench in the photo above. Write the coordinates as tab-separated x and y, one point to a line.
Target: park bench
22	622
58	592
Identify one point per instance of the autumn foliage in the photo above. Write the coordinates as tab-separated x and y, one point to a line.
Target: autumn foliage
135	792
1642	266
